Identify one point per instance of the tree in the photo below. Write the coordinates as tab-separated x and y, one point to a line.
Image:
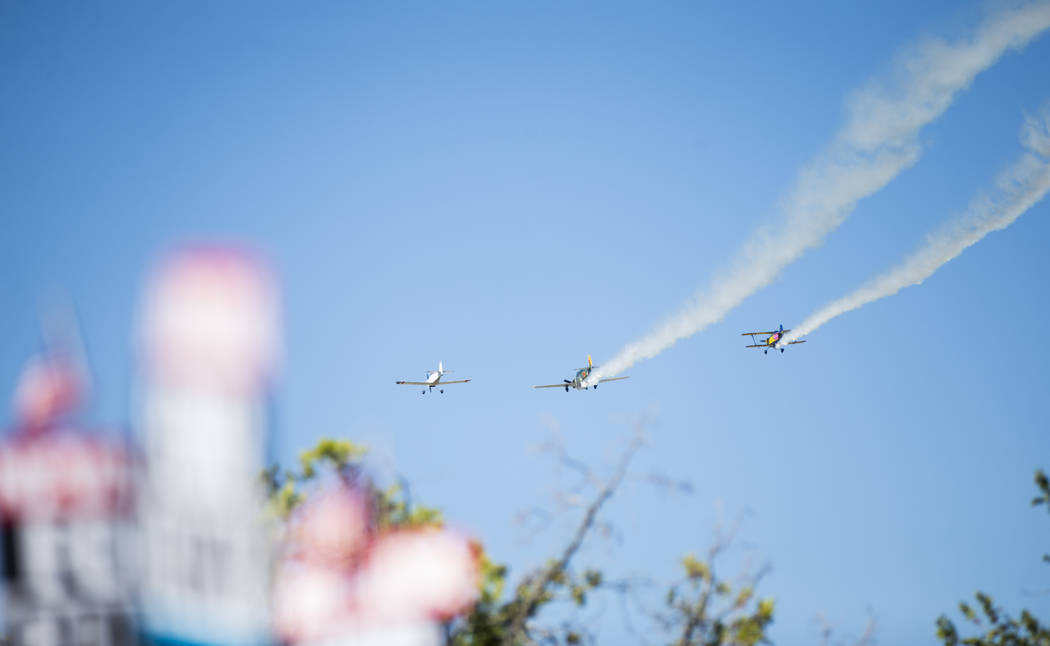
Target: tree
392	507
701	608
1003	629
706	609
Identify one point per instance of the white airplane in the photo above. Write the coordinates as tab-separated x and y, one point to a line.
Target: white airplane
434	379
577	381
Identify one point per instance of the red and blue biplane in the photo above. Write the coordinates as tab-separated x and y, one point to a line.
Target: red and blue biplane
774	340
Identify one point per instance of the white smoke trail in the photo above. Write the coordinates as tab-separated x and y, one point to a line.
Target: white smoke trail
1020	187
878	141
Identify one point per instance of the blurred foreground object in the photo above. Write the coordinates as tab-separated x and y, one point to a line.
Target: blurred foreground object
65	498
361	564
345	581
55	382
209	343
47	389
64	501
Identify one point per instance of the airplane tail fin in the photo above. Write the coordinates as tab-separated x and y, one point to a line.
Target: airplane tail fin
590	364
441	368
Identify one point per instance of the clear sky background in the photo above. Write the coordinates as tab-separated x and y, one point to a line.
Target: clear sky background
510	188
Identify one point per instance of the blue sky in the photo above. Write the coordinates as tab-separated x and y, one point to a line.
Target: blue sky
509	189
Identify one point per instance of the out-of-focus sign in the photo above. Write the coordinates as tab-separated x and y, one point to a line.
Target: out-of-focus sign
64	503
209	342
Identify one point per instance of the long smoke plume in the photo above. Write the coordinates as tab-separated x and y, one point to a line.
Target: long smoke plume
878	141
1019	188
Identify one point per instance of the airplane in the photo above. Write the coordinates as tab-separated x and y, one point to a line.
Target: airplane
581	375
772	341
433	379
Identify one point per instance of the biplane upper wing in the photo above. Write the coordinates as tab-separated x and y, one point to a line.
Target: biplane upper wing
754	333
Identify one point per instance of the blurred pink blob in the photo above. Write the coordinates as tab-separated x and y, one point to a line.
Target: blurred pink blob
331	529
309	603
46	389
63	475
341	579
211	317
409	574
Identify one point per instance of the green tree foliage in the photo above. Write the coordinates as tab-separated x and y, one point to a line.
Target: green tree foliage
392	507
706	609
1000	628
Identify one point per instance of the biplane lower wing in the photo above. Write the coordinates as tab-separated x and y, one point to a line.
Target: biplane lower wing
766	345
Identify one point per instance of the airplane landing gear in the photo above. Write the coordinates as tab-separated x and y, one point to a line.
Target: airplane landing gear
781	350
424	391
765	352
442	391
566	389
596	386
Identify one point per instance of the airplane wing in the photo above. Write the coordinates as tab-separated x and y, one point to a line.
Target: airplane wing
458	381
602	381
414	383
757	345
794	342
752	333
563	385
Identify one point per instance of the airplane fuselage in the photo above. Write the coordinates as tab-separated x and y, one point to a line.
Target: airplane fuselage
577	381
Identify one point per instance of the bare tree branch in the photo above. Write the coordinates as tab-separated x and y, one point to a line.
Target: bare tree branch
538	584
